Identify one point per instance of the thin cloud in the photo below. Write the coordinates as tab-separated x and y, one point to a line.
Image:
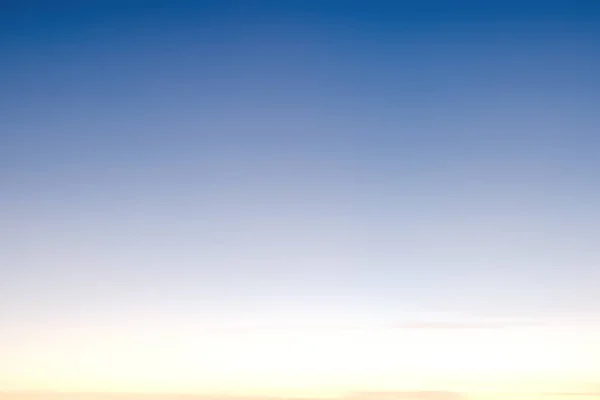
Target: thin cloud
399	395
463	325
409	395
573	394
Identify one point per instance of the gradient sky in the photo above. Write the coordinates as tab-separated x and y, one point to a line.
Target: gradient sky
175	169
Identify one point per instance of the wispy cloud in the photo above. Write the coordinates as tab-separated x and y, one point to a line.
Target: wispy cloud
412	395
393	395
572	394
458	325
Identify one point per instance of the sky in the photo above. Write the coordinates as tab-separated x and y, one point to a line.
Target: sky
300	198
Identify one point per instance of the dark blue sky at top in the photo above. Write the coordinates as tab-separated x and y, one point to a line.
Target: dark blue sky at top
410	57
392	156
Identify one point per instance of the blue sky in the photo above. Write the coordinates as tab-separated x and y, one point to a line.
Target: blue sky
205	162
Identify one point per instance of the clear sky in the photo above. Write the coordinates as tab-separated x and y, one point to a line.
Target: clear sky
174	170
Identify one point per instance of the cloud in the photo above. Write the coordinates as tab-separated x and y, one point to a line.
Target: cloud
409	395
573	394
395	395
463	325
585	390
